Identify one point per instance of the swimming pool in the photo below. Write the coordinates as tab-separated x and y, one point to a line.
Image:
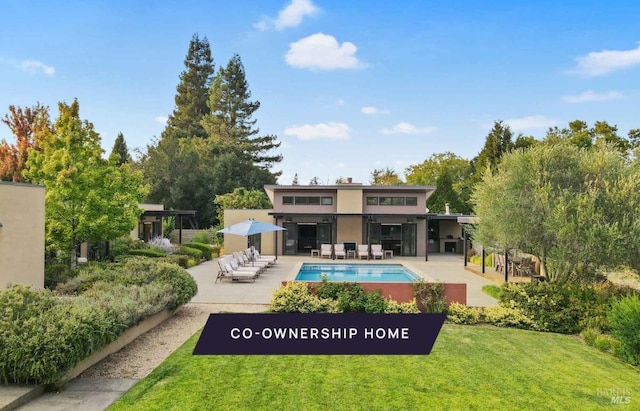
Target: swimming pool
371	273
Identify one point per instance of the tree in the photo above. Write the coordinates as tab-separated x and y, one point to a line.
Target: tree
87	198
579	134
120	153
230	123
295	180
385	177
28	126
574	208
315	181
498	142
192	92
450	174
241	198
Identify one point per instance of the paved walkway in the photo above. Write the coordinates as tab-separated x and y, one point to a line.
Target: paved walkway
89	394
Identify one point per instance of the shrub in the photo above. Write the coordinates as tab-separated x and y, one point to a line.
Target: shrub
502	316
202	237
179	259
295	297
160	243
477	259
56	272
602	342
206	249
461	314
148	252
191	252
624	320
430	295
394	307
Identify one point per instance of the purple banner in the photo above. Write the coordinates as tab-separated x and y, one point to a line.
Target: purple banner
319	334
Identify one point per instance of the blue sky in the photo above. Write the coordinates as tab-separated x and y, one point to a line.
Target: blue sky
346	86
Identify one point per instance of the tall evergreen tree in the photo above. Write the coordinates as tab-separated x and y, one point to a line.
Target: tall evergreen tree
120	152
192	93
498	142
230	123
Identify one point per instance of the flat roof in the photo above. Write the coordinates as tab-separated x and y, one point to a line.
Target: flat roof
348	186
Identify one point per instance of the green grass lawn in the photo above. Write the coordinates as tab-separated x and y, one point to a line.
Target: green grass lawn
470	368
493	290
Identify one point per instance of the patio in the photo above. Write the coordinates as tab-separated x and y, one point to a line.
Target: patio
440	267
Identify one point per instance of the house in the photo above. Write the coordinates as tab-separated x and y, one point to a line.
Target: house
393	216
21	234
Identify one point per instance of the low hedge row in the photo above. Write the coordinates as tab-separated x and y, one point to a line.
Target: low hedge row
147	252
334	297
43	335
207	250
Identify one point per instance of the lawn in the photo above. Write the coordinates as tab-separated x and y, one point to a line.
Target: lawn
470	368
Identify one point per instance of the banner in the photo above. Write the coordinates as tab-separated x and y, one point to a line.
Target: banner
348	333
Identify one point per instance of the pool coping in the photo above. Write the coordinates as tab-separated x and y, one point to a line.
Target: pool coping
414	269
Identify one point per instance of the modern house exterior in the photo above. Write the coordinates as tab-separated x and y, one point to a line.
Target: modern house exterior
393	216
21	234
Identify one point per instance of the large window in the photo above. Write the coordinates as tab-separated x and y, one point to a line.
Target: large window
392	201
307	200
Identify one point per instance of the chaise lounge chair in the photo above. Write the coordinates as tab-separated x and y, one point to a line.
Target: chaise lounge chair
376	251
227	271
363	251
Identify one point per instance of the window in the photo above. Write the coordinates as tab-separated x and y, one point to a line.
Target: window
411	201
302	200
287	200
392	201
313	200
326	201
372	200
385	201
397	201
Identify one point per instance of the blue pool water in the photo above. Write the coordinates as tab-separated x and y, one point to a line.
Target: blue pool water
372	273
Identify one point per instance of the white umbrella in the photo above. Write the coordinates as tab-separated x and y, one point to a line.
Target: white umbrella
250	227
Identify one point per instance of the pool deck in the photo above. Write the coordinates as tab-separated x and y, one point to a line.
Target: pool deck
447	268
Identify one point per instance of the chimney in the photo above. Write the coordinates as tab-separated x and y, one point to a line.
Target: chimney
349	180
446	208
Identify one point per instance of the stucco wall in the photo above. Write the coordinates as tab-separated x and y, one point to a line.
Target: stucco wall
349	201
21	234
349	228
238	243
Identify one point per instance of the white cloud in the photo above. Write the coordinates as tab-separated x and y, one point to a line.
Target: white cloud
407	128
292	15
530	122
373	110
161	119
340	102
589	96
330	131
322	52
34	66
598	63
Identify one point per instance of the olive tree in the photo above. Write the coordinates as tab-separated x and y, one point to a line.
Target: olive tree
574	208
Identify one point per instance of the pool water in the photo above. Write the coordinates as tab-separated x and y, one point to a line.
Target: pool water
376	273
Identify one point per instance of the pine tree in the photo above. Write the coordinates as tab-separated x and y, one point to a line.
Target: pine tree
193	91
295	180
120	152
498	142
230	122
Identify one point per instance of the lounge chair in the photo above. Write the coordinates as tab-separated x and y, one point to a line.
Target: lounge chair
244	261
227	271
325	251
376	251
363	251
255	255
339	252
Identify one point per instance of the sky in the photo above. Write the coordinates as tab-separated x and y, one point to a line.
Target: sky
346	86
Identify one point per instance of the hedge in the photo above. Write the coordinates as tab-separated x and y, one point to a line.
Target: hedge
148	252
206	249
43	335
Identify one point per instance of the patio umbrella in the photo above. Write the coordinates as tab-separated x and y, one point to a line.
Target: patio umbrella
251	227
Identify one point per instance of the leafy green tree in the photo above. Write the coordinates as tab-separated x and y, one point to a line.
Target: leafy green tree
450	174
574	208
28	125
579	134
241	198
87	198
385	177
524	142
120	152
230	124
